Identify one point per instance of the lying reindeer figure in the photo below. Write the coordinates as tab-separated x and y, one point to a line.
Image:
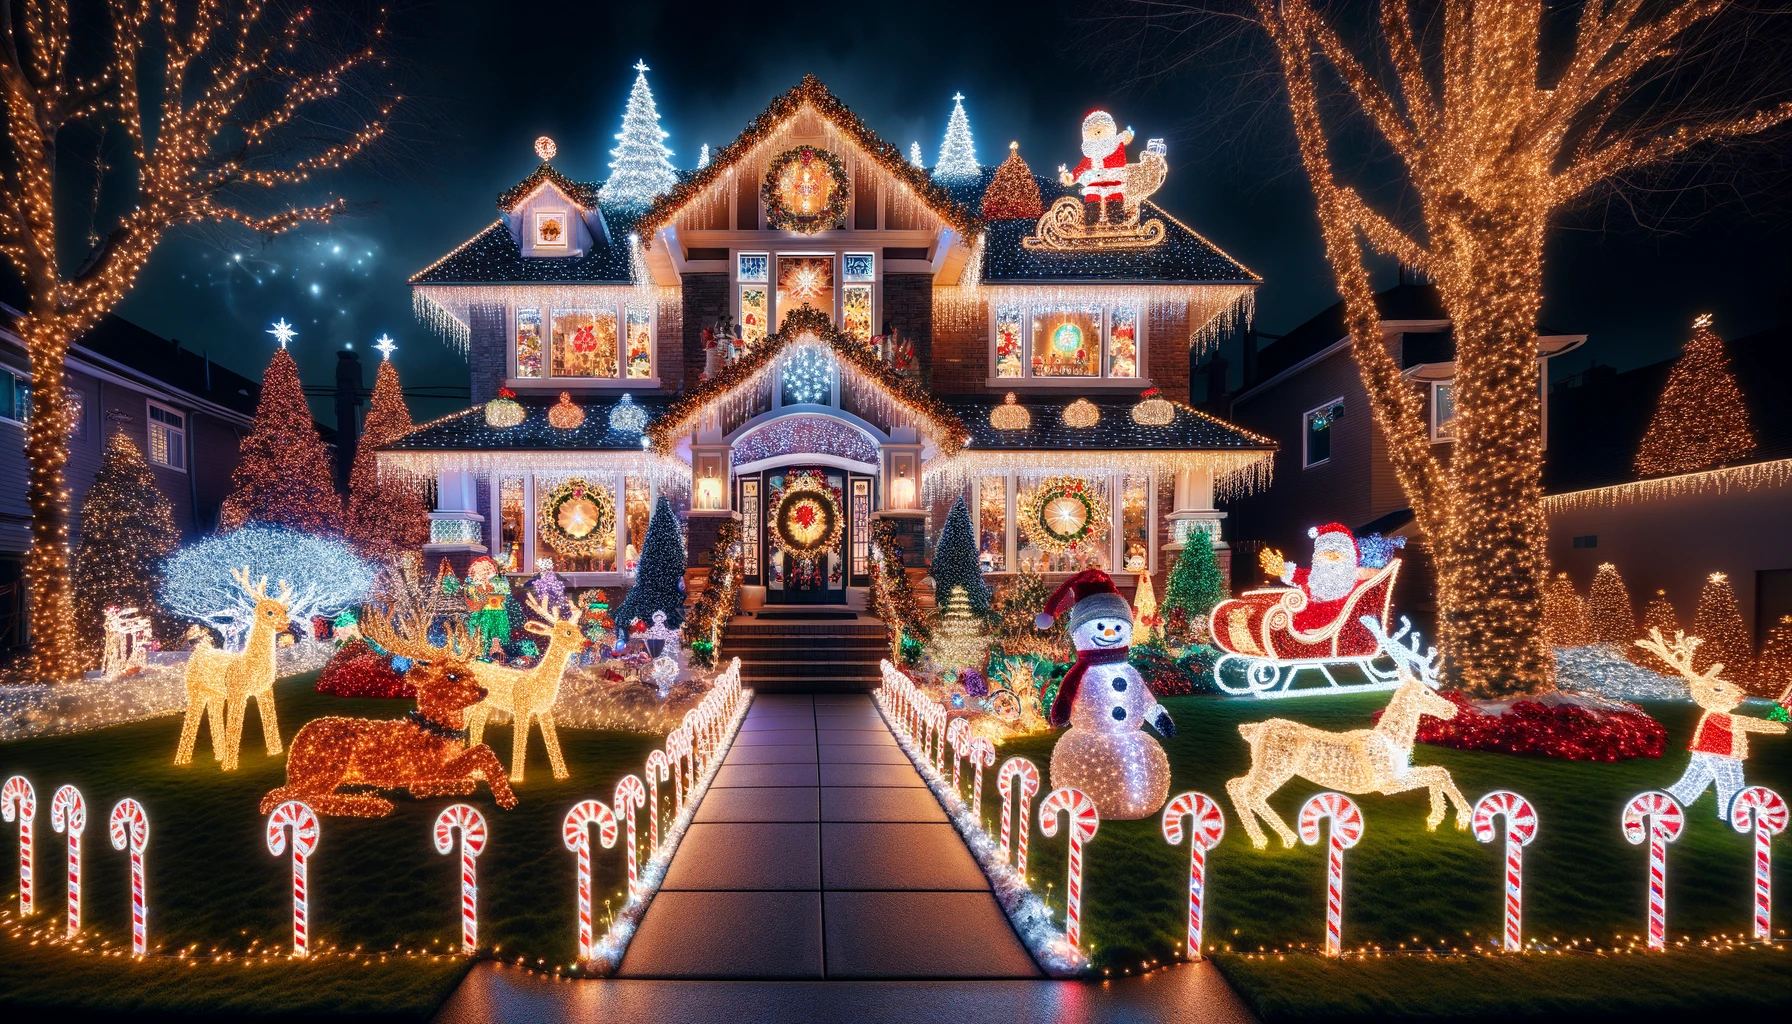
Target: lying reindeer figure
1375	760
425	753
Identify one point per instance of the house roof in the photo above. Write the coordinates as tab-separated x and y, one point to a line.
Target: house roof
1190	430
493	257
583	193
811	93
467	430
1597	420
1401	302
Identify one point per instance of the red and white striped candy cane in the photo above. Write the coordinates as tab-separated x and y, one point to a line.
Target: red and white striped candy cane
1024	770
693	724
303	822
677	746
68	813
18	799
983	755
658	770
129	827
1665	819
472	843
577	833
1207	823
630	794
1760	810
956	732
1347	828
1521	828
1079	811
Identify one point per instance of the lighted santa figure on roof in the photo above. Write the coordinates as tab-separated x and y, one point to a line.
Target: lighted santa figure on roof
1102	172
1330	580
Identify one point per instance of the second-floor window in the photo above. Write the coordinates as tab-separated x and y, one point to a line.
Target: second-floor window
167	437
1443	411
15	397
1318	426
1078	341
606	341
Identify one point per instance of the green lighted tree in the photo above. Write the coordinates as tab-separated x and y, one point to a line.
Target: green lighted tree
1195	586
955	560
659	578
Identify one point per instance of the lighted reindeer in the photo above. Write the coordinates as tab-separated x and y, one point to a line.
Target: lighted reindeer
1375	760
425	753
220	683
527	694
1720	740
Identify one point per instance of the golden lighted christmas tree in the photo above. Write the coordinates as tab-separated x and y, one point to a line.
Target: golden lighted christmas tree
384	513
1609	613
1701	421
1718	622
283	477
1013	191
960	640
127	529
1147	624
1565	614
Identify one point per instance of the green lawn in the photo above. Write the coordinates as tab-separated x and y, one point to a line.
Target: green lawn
377	884
1403	884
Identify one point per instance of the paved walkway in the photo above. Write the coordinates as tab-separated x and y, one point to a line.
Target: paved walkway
818	852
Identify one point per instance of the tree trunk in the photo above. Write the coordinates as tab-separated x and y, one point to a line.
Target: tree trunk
1491	555
50	598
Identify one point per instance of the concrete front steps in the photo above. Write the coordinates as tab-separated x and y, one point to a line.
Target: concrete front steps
807	656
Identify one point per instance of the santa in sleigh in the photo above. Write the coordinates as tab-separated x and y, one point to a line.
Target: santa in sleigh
1310	623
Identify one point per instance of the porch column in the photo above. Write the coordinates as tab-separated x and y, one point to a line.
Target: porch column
1195	516
456	529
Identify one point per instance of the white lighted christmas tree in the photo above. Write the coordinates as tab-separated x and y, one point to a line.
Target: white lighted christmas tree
703	157
643	165
958	156
914	154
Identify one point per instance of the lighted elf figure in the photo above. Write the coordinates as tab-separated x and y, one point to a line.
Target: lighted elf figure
1330	580
1720	740
1102	172
1105	701
485	592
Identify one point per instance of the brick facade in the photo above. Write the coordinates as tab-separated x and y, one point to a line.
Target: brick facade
706	297
487	351
908	307
1166	350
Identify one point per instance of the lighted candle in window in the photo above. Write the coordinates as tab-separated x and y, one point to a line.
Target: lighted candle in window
902	491
709	493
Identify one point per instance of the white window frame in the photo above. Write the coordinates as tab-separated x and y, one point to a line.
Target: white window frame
546	311
150	425
14	378
535	220
1306	431
1437	438
1029	310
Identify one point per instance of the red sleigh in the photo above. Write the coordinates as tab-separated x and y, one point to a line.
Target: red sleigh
1256	631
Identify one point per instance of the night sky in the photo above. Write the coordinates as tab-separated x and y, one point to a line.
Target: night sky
481	81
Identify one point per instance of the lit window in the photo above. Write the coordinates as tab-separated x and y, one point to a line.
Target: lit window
1123	342
856	313
584	342
1317	437
528	343
1009	345
640	343
1443	411
551	229
77	414
1067	342
1135	523
992	523
1092	340
15	397
805	281
754	274
167	437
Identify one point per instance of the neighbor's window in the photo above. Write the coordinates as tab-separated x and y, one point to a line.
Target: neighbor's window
754	274
77	414
1317	442
15	397
167	437
1443	411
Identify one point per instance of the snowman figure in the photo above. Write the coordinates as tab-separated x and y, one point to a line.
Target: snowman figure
1105	753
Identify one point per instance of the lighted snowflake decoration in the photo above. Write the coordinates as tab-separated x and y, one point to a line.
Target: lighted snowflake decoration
806	282
386	345
808	376
283	332
626	417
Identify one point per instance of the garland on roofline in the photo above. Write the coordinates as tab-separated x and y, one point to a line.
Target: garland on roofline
676	421
708	619
812	92
582	194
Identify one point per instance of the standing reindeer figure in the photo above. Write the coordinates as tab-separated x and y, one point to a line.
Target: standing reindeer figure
1720	740
1375	760
221	682
425	753
529	693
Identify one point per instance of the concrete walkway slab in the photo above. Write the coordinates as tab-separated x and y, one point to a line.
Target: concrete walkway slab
861	737
933	934
897	855
728	935
861	753
759	855
880	803
871	775
769	737
764	804
741	776
772	753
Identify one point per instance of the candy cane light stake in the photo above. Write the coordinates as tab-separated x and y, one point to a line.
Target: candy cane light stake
1346	829
577	834
658	771
1208	825
1760	810
18	799
630	794
1017	768
983	755
472	843
1657	817
129	827
303	822
1521	828
68	813
1079	810
956	736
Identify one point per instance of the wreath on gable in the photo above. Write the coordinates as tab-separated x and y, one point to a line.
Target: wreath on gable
807	520
578	519
1063	512
805	190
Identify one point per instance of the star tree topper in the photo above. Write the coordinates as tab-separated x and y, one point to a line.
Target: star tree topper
385	344
283	332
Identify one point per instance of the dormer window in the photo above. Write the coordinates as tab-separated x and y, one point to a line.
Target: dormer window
551	229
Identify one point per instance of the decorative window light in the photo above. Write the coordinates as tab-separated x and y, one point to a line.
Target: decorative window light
167	437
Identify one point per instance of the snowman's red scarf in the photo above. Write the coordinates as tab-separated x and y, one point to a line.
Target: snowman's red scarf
1073	680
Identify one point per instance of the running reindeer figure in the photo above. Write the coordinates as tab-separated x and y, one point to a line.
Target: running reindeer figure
425	752
220	683
1375	760
1720	740
528	694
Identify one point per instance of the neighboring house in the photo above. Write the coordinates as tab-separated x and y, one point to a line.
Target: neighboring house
1305	391
1671	533
566	293
186	413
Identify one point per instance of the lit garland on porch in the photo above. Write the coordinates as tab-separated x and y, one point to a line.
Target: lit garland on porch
872	377
666	473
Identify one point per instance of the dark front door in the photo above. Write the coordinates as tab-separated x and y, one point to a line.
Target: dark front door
807	518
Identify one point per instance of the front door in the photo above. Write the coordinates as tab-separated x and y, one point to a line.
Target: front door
806	519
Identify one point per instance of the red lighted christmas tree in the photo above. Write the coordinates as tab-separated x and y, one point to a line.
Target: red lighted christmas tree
283	476
1701	421
1013	191
384	514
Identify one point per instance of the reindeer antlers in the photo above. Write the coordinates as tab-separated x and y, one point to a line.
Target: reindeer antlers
1679	654
378	626
549	612
1405	655
259	591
